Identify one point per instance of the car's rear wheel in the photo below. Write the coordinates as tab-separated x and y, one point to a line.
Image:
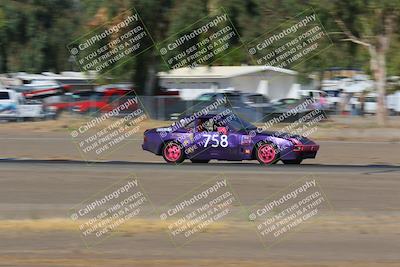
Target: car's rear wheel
199	160
173	153
267	153
292	161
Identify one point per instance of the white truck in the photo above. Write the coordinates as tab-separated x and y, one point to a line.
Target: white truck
14	107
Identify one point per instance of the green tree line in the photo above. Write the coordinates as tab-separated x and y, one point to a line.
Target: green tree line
34	33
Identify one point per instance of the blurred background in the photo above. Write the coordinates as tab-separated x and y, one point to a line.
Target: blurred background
358	75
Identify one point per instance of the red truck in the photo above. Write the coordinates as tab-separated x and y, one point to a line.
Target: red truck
88	101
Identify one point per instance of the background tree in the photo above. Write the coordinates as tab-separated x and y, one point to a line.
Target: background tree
371	24
34	35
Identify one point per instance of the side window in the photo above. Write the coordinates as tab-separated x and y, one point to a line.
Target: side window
4	95
252	99
189	126
209	125
205	125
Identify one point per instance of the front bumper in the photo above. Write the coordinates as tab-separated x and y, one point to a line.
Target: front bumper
306	148
306	151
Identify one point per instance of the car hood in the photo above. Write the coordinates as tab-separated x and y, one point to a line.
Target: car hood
286	136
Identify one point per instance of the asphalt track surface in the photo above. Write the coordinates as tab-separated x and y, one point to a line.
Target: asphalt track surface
31	178
363	228
212	166
362	187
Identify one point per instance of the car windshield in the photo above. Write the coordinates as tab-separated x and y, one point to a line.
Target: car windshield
290	101
257	99
205	97
86	95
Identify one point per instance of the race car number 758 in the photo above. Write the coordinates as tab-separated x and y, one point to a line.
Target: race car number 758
215	141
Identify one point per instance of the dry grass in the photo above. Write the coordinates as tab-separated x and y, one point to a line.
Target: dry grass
60	224
331	223
98	261
86	258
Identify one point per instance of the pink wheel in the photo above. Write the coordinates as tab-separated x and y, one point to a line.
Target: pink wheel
266	154
172	153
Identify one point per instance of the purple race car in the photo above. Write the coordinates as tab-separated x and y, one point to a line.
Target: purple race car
225	137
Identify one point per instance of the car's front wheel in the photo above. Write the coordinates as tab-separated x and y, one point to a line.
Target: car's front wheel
267	153
292	161
173	153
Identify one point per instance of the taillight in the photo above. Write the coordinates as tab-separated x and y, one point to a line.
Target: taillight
144	138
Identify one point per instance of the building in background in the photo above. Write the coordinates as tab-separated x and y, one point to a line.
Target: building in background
275	83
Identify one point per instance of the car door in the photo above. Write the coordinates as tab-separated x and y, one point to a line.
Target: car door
215	142
229	147
206	139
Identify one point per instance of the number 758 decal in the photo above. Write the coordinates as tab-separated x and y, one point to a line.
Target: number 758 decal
215	142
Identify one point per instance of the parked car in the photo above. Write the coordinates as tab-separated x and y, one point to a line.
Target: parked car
286	103
250	99
250	106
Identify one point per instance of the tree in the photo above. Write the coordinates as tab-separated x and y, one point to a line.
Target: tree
371	24
34	34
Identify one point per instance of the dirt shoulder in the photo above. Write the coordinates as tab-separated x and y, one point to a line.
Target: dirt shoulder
343	141
337	128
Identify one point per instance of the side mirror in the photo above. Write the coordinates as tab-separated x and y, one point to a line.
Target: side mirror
222	130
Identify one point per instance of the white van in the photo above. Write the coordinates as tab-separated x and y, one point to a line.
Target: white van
370	105
393	103
13	106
